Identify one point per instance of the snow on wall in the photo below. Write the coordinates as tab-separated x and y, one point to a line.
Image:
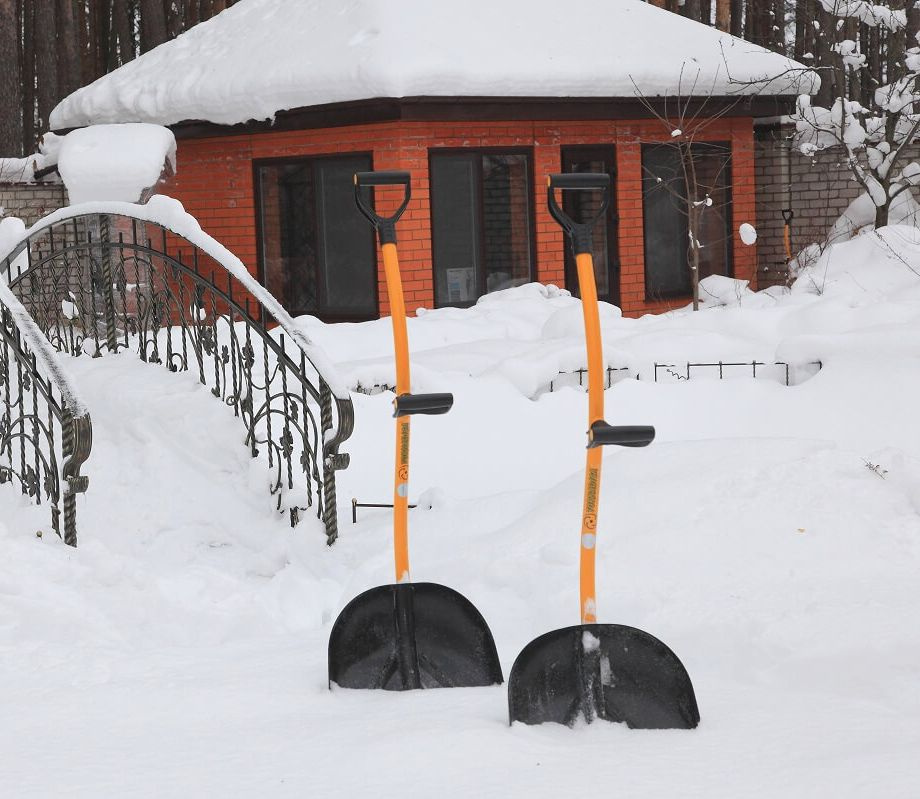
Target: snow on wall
263	56
114	162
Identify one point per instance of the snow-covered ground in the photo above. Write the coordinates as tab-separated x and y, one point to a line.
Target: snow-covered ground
770	536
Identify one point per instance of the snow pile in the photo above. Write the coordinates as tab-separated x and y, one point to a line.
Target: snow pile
115	162
770	536
528	336
263	56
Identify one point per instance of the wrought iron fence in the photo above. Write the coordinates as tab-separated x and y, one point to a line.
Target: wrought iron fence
97	283
45	430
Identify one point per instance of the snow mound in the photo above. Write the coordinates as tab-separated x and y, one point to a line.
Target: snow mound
115	162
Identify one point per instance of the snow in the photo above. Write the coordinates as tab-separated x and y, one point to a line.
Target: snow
115	162
22	170
770	536
748	233
260	57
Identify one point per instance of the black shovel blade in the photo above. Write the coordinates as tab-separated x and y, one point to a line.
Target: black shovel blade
412	635
606	671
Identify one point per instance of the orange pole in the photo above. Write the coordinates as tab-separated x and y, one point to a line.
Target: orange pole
401	471
585	265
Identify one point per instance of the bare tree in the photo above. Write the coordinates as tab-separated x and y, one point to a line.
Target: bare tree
696	183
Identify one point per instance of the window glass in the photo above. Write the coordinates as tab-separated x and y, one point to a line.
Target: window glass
481	224
665	206
317	250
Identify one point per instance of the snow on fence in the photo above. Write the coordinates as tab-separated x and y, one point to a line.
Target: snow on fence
45	428
106	277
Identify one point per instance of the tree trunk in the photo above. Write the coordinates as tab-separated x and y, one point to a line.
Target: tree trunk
124	30
706	12
100	36
68	66
153	24
27	69
10	83
737	17
175	19
778	27
799	47
724	15
46	84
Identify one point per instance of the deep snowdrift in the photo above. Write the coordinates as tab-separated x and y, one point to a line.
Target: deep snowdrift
770	536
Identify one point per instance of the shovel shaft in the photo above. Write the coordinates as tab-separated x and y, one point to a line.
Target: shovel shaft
585	265
401	471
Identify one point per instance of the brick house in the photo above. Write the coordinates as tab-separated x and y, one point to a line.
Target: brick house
479	118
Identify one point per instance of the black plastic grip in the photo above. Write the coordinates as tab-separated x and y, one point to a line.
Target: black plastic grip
602	434
579	230
579	180
384	225
385	178
428	404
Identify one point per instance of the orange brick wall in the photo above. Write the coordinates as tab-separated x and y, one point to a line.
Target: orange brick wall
214	182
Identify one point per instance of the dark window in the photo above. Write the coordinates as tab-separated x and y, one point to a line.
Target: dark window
584	205
481	211
317	251
665	204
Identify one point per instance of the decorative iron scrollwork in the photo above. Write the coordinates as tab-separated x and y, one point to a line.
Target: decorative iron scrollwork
101	283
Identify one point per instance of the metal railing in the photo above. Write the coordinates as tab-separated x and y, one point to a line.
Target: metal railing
97	283
45	430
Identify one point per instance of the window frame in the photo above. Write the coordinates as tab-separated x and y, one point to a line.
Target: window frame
729	217
531	218
324	315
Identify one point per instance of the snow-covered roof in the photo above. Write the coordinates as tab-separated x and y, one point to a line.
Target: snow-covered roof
263	56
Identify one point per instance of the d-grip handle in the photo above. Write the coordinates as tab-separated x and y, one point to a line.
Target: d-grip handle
584	181
602	434
581	181
391	177
385	225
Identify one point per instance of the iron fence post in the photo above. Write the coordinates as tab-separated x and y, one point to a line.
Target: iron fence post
108	298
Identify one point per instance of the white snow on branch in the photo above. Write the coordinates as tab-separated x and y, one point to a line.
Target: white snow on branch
867	13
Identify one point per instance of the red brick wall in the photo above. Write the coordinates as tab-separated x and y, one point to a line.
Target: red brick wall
214	182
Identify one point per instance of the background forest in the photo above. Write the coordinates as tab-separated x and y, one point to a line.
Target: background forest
48	48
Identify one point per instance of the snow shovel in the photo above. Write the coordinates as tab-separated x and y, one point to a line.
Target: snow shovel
407	635
591	670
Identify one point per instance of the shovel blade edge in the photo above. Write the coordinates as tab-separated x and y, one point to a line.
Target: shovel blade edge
406	636
608	671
